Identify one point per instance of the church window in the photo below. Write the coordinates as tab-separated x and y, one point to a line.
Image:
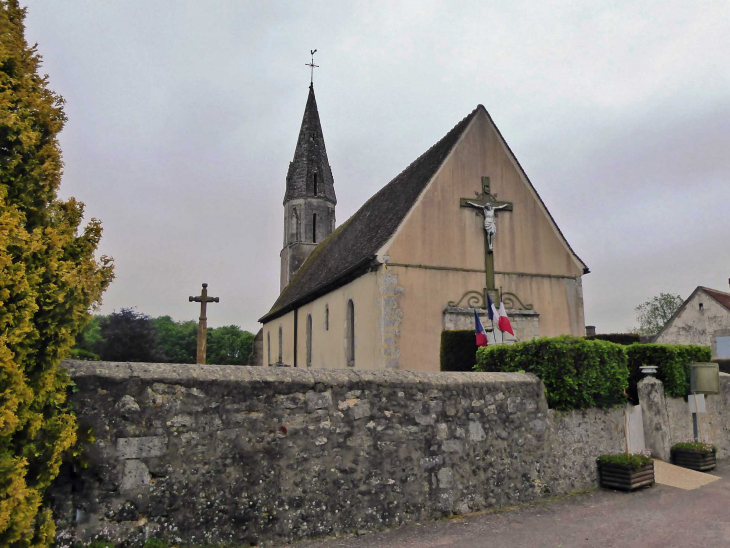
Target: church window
295	226
702	306
314	228
309	340
314	180
327	318
350	335
268	348
281	346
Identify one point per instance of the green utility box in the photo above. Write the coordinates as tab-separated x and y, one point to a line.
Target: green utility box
704	378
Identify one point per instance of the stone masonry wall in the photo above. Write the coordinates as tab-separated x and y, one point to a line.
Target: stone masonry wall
231	454
668	421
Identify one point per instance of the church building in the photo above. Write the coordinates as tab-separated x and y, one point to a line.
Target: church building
461	222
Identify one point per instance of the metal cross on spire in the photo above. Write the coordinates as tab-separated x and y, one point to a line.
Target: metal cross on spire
312	66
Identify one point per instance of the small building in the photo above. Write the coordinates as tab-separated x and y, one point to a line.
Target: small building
460	223
704	319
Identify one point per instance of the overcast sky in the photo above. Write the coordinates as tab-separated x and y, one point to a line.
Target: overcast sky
183	117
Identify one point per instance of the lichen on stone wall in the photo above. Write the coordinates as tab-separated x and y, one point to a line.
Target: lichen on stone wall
231	454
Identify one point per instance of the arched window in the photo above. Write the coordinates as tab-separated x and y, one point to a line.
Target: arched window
314	228
281	346
327	317
314	180
295	226
268	348
309	340
350	333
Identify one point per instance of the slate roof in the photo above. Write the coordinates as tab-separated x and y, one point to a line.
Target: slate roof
719	296
310	156
350	250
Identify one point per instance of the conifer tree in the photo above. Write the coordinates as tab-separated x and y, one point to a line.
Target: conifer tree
49	279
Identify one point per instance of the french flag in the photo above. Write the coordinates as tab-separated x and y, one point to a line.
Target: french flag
481	333
504	325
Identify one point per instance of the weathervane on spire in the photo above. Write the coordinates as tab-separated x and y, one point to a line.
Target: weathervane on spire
312	66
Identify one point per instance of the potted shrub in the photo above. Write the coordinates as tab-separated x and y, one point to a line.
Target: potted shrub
626	472
696	455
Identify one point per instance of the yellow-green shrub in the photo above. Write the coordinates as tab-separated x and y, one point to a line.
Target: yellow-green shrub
48	281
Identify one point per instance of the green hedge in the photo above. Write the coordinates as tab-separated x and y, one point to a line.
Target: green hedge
618	338
458	350
672	362
577	373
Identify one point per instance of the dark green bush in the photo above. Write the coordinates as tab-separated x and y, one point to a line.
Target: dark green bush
618	338
724	364
622	459
672	362
702	447
577	373
458	350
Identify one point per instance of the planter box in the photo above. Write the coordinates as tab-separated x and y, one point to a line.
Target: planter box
694	459
615	476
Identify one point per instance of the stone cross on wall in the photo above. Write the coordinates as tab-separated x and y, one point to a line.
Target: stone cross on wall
488	204
203	299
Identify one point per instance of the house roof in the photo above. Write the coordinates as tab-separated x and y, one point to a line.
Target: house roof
350	249
720	296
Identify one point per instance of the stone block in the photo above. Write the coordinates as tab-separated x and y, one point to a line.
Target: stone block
140	448
135	475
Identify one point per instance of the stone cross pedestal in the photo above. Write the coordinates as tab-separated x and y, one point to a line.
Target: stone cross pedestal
203	299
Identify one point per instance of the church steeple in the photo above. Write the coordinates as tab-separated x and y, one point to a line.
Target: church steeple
309	200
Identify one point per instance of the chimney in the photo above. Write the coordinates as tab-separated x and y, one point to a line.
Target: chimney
590	330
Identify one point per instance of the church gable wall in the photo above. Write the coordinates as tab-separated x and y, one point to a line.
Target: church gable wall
438	232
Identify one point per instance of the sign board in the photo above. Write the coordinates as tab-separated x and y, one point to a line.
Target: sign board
700	403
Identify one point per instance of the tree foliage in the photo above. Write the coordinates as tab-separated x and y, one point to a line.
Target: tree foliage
128	336
132	336
49	279
655	313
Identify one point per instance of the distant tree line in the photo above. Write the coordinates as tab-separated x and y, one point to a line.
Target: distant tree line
131	336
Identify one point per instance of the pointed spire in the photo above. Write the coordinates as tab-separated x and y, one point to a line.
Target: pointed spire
309	173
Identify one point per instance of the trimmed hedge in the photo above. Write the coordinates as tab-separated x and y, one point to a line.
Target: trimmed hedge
672	362
458	350
618	338
577	373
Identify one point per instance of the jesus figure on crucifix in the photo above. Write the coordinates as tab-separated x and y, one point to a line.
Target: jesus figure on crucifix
490	225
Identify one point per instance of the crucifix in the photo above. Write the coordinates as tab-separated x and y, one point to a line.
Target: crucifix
487	203
312	66
203	299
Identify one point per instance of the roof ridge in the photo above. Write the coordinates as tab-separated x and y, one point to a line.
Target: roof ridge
369	227
715	290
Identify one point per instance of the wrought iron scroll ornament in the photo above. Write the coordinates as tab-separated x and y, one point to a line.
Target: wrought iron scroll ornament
509	302
474	299
478	299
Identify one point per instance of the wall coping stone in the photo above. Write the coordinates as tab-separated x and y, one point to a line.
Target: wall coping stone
181	373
